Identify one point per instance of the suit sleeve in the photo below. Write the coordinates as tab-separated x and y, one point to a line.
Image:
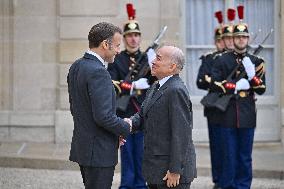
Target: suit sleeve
138	119
181	129
100	90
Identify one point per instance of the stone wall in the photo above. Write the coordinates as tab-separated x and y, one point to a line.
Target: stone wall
40	40
29	64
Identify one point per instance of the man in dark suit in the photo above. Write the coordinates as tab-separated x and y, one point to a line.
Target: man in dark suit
97	129
166	118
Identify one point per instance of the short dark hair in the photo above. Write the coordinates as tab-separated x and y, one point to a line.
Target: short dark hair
100	32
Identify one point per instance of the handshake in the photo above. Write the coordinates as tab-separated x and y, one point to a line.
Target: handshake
122	141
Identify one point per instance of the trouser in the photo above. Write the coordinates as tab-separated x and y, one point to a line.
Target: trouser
215	151
164	186
236	145
131	163
97	177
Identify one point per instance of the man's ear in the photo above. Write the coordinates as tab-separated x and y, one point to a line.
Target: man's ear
104	44
173	66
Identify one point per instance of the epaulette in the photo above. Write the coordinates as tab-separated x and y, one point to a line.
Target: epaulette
206	54
218	54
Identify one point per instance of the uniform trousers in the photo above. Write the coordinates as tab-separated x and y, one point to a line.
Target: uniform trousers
131	163
97	177
215	150
236	145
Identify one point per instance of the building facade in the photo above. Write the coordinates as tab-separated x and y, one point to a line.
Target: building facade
39	40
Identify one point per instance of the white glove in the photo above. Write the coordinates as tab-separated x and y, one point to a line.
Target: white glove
249	67
141	83
151	56
242	84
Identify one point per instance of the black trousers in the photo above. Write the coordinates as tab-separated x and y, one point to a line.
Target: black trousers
97	177
164	186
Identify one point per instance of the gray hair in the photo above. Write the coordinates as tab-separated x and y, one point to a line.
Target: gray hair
178	58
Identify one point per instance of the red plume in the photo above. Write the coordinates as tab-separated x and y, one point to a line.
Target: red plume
130	11
240	9
231	14
219	16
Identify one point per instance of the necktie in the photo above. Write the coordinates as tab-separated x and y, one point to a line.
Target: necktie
156	88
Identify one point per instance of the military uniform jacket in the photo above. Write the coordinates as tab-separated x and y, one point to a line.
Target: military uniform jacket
92	104
213	114
166	119
241	112
119	70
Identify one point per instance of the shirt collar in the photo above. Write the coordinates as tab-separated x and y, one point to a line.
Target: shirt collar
164	80
98	56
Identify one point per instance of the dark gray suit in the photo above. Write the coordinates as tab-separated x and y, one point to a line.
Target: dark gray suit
166	118
92	104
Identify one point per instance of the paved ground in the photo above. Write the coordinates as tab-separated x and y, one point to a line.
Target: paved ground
268	158
268	167
21	178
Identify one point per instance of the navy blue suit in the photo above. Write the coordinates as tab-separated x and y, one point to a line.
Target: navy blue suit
96	126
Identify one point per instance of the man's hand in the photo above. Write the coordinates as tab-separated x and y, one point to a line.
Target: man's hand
122	141
172	179
129	121
249	67
141	83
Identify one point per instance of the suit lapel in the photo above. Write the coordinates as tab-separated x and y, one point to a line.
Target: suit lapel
153	99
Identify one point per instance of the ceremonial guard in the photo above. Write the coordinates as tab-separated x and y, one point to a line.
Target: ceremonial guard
212	114
131	92
227	34
238	75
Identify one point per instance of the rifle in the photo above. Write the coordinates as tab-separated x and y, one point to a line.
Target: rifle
218	100
221	101
139	70
252	40
260	47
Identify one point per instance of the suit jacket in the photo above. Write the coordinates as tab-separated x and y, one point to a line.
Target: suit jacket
92	104
166	119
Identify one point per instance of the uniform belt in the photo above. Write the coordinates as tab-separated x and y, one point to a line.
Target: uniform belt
244	94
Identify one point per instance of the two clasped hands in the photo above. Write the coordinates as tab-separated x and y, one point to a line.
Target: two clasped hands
171	178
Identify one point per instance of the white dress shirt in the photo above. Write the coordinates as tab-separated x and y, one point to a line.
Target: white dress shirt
164	80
